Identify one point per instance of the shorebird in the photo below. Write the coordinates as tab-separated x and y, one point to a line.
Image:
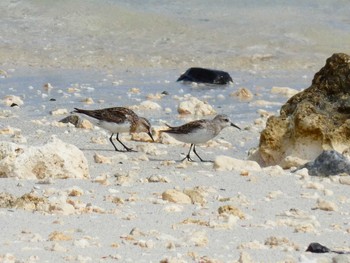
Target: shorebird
199	131
119	120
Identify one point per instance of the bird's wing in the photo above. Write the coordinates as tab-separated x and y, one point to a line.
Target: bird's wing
117	114
186	128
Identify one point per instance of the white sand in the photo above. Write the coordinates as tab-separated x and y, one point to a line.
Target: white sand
119	214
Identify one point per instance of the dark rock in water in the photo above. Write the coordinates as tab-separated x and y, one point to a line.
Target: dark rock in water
315	119
203	75
317	248
328	163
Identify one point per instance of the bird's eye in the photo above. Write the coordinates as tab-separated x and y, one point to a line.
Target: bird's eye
227	120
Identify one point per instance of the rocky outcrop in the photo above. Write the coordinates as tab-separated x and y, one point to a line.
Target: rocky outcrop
311	121
55	159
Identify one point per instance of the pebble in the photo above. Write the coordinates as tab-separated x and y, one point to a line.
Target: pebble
243	94
285	91
99	158
8	100
59	112
225	163
196	107
176	196
326	205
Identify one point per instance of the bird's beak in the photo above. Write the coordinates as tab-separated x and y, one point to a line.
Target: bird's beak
234	125
150	135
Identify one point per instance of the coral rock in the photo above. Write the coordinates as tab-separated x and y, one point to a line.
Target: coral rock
313	120
55	159
175	196
195	106
225	163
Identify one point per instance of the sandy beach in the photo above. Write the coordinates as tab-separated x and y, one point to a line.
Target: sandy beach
67	196
147	206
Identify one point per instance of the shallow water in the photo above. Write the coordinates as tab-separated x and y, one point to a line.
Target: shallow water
230	35
104	48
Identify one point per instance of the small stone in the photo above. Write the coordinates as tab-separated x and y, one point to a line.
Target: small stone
285	91
59	236
101	159
196	107
244	257
195	195
326	205
10	99
88	101
75	191
47	87
344	180
85	124
73	119
59	112
176	196
229	209
225	163
243	94
58	247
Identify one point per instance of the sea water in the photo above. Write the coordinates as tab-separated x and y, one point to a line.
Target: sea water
106	47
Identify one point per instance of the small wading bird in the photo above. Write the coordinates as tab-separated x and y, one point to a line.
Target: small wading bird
119	120
199	131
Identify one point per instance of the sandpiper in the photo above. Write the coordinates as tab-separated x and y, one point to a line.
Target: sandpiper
119	120
199	131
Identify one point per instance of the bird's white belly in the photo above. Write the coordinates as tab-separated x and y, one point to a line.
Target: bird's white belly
115	127
198	136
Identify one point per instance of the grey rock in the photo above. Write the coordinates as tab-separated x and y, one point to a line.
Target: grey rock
328	163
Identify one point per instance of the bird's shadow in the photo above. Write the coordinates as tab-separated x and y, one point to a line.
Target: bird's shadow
150	159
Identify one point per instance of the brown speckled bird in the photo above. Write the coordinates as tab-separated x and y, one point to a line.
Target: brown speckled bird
119	120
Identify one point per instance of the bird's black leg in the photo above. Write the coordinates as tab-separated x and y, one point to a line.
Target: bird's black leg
126	148
111	140
188	157
194	150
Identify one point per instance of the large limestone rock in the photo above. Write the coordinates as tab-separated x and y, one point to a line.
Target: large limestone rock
55	159
311	121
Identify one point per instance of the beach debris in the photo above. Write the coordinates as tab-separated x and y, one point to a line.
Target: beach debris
328	163
59	236
88	101
283	242
203	75
231	210
59	112
176	196
284	91
196	196
318	248
3	74
312	120
226	163
244	257
146	105
78	122
47	87
55	159
9	100
243	94
99	158
73	119
326	205
194	106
